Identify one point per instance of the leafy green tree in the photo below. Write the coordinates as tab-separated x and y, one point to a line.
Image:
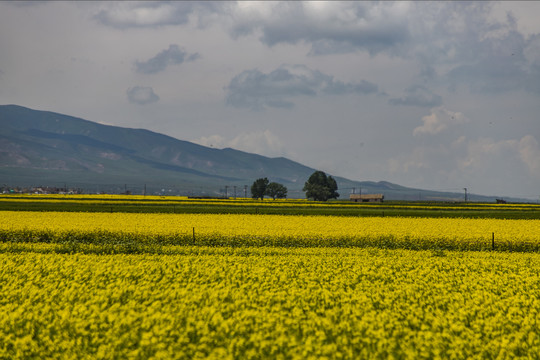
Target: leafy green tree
276	190
258	189
320	187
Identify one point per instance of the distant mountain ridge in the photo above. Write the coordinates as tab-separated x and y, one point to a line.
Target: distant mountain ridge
43	148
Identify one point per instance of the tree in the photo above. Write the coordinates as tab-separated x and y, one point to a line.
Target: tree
276	190
258	189
320	187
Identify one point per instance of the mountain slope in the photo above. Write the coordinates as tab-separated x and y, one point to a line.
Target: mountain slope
41	148
39	145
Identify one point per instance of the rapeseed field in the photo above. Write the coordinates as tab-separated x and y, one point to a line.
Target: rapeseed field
252	303
97	285
272	230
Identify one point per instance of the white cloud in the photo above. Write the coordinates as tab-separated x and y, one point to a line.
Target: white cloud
483	152
487	155
213	141
484	165
141	95
337	27
529	152
416	160
126	14
439	119
259	142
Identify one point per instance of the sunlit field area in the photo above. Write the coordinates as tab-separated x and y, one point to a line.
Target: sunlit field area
345	282
177	204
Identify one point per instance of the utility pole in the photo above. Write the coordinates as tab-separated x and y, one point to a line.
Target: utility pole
465	194
353	190
226	191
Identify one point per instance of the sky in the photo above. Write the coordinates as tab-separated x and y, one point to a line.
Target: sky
431	95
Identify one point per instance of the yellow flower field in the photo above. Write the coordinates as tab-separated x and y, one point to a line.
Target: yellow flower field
242	229
85	285
239	202
253	303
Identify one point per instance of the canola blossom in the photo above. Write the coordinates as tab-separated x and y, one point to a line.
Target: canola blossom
252	303
108	199
274	230
94	285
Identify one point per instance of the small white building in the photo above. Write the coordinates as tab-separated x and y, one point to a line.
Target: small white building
367	197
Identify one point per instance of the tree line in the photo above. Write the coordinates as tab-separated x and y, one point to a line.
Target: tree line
318	187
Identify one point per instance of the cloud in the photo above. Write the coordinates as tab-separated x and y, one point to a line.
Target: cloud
336	87
484	54
483	153
141	95
256	90
529	153
418	96
460	41
143	14
531	52
330	27
418	159
24	3
172	56
439	119
259	142
478	164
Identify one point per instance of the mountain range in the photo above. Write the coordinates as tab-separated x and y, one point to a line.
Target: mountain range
42	148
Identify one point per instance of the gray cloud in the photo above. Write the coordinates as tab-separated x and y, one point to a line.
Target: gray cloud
458	41
496	58
486	55
144	14
23	3
256	90
330	28
141	95
497	70
417	96
172	56
336	87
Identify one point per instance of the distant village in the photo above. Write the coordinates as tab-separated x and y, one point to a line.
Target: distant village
39	190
